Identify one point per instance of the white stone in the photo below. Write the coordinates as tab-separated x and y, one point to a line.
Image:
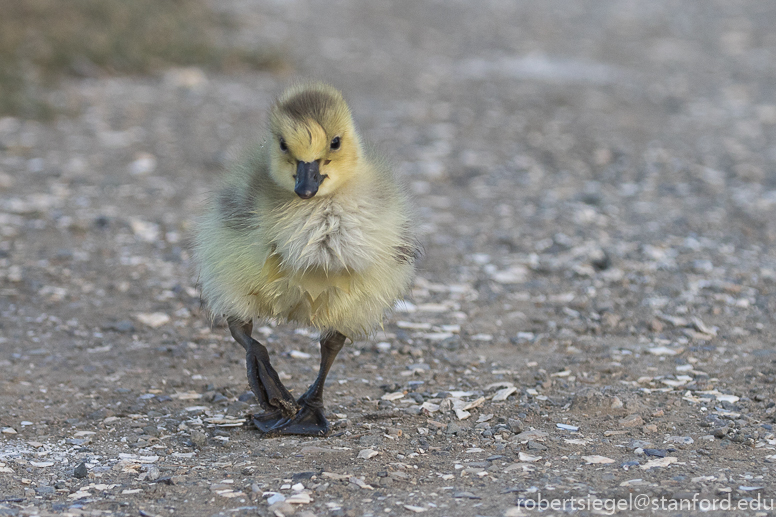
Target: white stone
367	453
153	319
596	460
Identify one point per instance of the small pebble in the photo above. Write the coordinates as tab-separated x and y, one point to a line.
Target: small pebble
595	460
275	498
365	454
682	440
631	421
465	495
198	438
720	432
80	471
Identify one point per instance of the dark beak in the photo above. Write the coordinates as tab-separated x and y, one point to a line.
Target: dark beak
308	179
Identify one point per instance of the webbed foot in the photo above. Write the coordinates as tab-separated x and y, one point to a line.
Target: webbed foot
308	421
264	422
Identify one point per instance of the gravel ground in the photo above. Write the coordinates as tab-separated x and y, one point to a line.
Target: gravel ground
596	184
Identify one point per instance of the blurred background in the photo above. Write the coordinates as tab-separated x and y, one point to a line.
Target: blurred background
665	96
610	124
595	181
613	154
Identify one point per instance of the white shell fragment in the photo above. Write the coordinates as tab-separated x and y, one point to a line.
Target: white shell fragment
597	460
514	275
132	458
659	462
474	404
367	453
144	163
503	394
335	476
225	421
360	483
430	407
186	396
527	457
153	319
461	414
275	498
299	498
664	350
144	230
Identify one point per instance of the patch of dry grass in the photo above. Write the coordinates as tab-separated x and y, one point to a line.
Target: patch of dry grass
44	40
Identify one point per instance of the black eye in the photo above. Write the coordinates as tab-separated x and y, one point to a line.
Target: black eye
283	146
335	143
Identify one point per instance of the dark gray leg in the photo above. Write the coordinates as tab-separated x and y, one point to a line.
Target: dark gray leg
310	419
277	402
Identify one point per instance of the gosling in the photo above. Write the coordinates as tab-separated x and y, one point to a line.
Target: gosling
313	230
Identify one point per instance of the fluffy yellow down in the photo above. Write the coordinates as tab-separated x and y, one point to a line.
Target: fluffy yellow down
336	261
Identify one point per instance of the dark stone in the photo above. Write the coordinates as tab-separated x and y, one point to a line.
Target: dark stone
80	471
248	397
417	397
390	388
236	408
515	425
101	221
302	475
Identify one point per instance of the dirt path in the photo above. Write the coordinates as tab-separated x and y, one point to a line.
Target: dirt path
596	185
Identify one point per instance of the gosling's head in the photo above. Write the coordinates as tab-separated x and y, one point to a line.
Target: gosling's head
314	147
